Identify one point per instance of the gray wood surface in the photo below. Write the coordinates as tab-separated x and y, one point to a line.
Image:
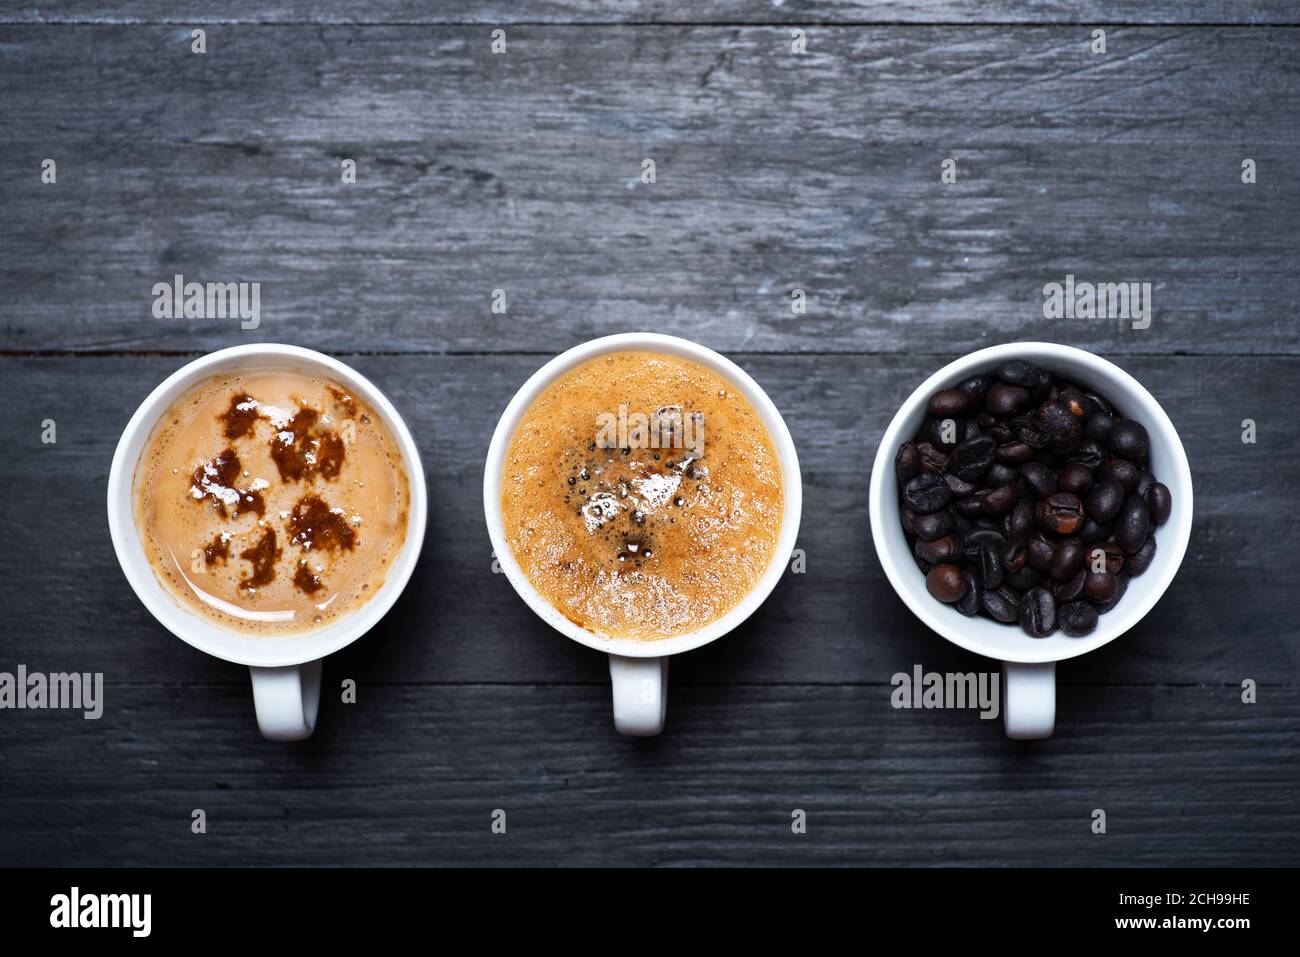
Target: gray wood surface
774	172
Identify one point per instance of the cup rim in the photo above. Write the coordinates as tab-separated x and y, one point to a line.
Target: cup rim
975	634
268	650
772	420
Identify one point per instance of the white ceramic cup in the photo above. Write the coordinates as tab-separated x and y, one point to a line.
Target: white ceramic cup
1029	664
285	670
639	669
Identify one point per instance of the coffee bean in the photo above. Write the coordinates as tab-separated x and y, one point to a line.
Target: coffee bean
1020	520
926	492
1059	514
1041	479
1099	428
1078	618
1067	559
907	462
977	386
1141	560
1071	589
1000	474
1121	586
1129	440
1077	478
1159	502
1063	428
1022	580
1132	525
1040	552
1105	557
945	549
1089	454
1014	552
1037	613
1124	472
959	488
1073	399
1094	531
934	525
1097	404
944	434
972	458
1003	399
908	519
990	566
945	582
1001	604
970	506
977	539
1019	373
1030	431
950	403
1100	588
1105	500
1001	500
969	604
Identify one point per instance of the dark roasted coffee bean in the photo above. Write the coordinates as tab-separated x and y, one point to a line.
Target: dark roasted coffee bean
1099	428
990	566
932	459
1121	586
1124	472
977	539
969	604
1022	580
972	458
1037	612
1071	589
1030	431
977	386
1064	431
926	492
1040	553
1076	478
922	564
1014	453
1099	588
1044	388
1078	618
1132	525
1105	500
1159	501
1104	557
907	462
983	523
1097	404
970	506
1020	520
959	488
908	519
950	404
1001	604
1000	500
1067	559
946	549
934	525
1141	560
1088	454
1004	400
1000	430
1040	478
945	582
1145	481
1013	554
1073	399
1000	474
1059	514
1094	531
1128	439
1018	372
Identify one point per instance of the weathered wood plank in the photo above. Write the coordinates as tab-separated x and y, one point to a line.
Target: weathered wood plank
1225	618
774	172
411	775
794	12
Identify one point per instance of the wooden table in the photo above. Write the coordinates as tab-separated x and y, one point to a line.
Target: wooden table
775	171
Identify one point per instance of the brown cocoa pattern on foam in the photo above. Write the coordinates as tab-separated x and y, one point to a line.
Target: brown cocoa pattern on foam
214	478
263	557
313	525
241	418
301	449
218	550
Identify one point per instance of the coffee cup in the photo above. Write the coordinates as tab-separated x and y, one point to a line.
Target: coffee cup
639	668
1029	664
285	670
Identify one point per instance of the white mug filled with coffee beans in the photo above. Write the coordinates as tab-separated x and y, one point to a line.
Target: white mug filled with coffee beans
1031	486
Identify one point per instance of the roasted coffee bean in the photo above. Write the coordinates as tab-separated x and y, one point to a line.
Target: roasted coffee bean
970	506
1071	589
1124	472
944	434
907	463
1141	560
959	488
1105	500
950	404
922	564
978	538
1073	399
1022	580
1159	502
1059	514
1099	428
1145	481
945	549
1018	372
1089	454
1001	604
945	582
1000	430
1099	588
1129	440
1064	431
1104	557
977	386
1067	559
934	525
969	603
1013	554
1132	525
1037	612
1000	500
1077	478
1078	618
1014	453
1030	431
1041	479
983	523
1040	552
908	519
972	458
1094	531
932	459
1097	404
1121	586
926	492
1044	389
990	566
1005	399
1020	520
1000	474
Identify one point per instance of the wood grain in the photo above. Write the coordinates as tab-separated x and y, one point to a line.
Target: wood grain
774	172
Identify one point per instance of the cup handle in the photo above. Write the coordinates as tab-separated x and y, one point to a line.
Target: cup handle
1029	700
640	694
287	700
